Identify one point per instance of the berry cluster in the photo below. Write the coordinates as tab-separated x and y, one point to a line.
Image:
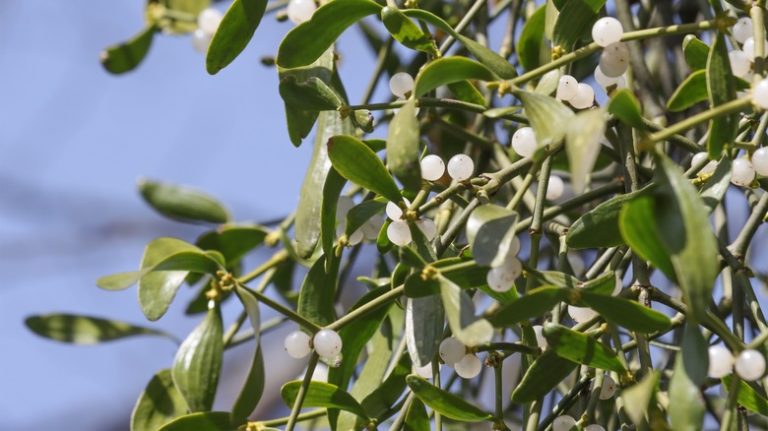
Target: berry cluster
466	364
749	364
326	342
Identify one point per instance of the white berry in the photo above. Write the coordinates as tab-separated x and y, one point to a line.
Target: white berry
742	30
760	94
401	84
502	278
393	210
614	60
451	350
461	167
566	87
606	31
468	367
399	233
209	19
603	80
581	314
594	427
608	390
432	167
297	344
427	227
538	330
524	142
555	188
720	362
699	158
327	343
743	173
563	423
585	97
300	11
424	371
749	48
750	365
760	161
740	63
201	41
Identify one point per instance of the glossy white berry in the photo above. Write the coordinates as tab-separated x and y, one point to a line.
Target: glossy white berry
608	390
607	30
393	210
399	233
614	60
540	339
566	87
524	142
699	158
720	362
503	277
555	188
451	350
401	84
760	161
355	237
300	10
424	371
749	48
750	365
742	30
209	19
327	343
581	314
760	94
740	63
461	167
297	344
468	367
585	97
427	227
594	427
605	81
201	41
432	167
743	172
563	423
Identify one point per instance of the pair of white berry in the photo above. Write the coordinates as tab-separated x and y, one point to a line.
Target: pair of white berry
326	342
299	11
460	167
501	278
207	23
741	59
455	355
749	364
398	231
566	423
580	95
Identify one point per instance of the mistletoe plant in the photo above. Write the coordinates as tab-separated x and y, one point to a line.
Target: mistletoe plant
500	176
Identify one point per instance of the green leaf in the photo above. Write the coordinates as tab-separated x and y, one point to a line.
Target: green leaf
722	89
533	304
172	24
361	213
299	121
686	404
445	403
312	94
549	118
641	234
714	189
126	56
638	397
317	292
683	225
696	52
626	313
448	70
334	184
182	203
75	329
202	421
321	394
406	31
233	241
197	364
158	404
690	92
544	374
424	319
575	20
307	41
253	387
599	227
234	33
417	419
359	164
379	402
695	354
403	146
581	348
748	397
583	143
467	92
625	106
460	313
491	232
530	47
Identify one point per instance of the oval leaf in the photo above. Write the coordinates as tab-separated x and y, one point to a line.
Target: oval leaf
321	394
460	313
544	374
446	403
626	313
406	31
599	227
424	319
530	47
235	31
581	348
403	146
75	329
690	92
126	56
533	304
182	203
448	70
491	231
160	403
583	143
356	162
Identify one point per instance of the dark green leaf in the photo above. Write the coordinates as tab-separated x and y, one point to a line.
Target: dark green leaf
417	287
581	348
359	214
544	374
406	31
424	319
695	52
626	313
748	397
234	33
625	106
334	184
71	328
359	164
321	394
252	390
695	354
378	402
491	232
311	94
403	146
533	304
690	92
202	421
530	47
307	41
641	234
575	20
448	70
549	118
417	419
182	203
197	364
599	227
126	56
722	89
445	403
160	403
318	291
234	241
686	404
460	313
